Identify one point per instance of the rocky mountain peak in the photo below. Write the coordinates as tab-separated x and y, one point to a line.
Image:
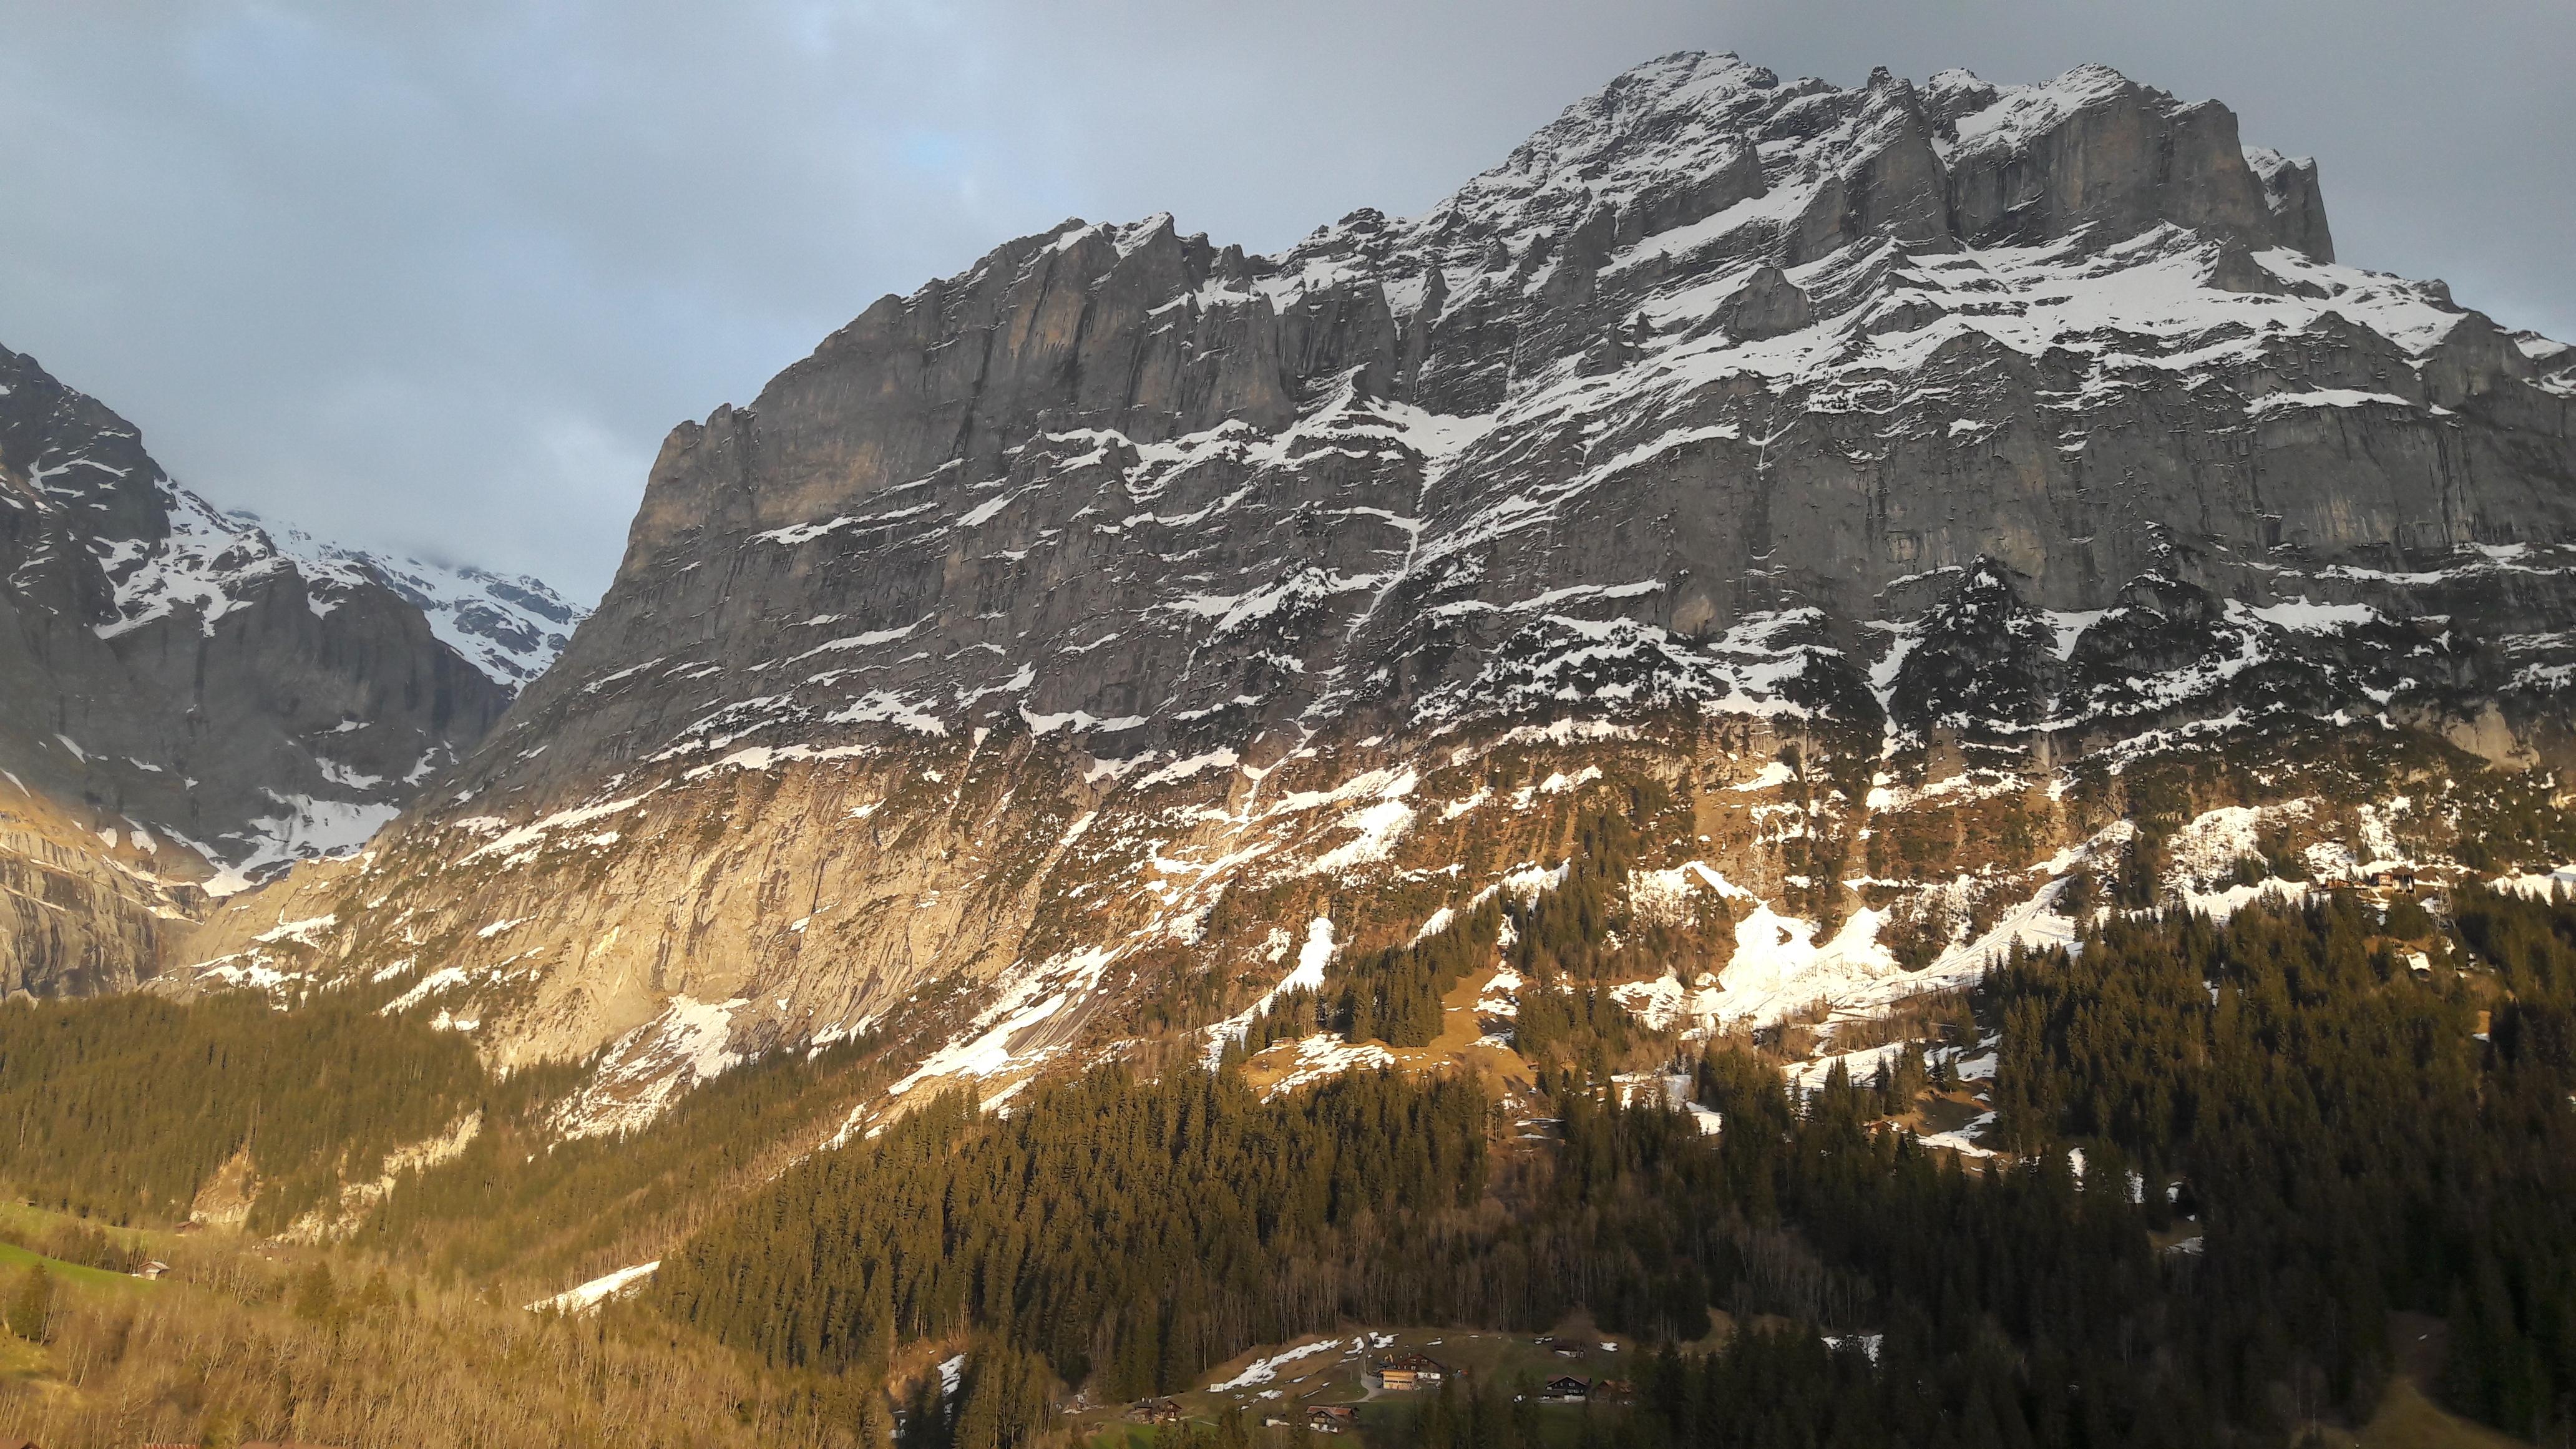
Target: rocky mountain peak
509	627
1963	443
190	700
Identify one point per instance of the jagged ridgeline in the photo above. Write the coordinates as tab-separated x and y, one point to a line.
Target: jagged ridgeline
1921	485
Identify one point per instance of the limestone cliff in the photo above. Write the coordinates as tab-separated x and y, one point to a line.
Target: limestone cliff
1902	478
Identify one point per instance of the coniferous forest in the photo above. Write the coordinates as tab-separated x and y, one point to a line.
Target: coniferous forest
125	1107
2280	1131
2234	1156
1798	758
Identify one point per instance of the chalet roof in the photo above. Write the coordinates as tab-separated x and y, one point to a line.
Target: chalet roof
1421	1363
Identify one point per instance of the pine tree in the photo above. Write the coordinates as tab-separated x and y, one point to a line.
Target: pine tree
315	1294
31	1308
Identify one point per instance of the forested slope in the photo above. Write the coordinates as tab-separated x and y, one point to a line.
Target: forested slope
2232	1152
129	1107
2283	1130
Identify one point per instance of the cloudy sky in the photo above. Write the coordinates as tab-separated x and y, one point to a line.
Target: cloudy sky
439	277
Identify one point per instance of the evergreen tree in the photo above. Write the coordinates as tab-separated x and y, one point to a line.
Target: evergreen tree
31	1308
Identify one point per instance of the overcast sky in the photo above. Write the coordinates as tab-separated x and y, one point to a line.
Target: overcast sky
438	277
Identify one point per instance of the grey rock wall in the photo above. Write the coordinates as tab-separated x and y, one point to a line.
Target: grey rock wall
170	681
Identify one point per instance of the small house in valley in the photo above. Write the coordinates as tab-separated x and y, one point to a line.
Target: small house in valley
1411	1371
1155	1411
1565	1389
1333	1419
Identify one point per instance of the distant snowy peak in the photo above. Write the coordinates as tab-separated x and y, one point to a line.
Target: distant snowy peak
510	628
177	676
214	562
204	561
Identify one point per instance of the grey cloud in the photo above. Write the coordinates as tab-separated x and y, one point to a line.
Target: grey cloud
439	277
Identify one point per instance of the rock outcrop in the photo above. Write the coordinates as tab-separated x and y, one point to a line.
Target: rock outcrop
1884	470
1768	305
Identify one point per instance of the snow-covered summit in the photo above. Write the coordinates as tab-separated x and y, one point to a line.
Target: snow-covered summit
1838	342
212	562
173	675
510	628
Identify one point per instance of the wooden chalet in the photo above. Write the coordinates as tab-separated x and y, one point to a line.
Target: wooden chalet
1613	1391
1333	1419
1154	1411
1568	1347
1565	1389
1411	1371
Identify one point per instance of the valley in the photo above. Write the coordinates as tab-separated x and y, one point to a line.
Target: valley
1885	755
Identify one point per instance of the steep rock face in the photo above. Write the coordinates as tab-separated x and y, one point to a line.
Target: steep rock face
2297	203
182	700
1770	305
2093	149
77	912
1862	466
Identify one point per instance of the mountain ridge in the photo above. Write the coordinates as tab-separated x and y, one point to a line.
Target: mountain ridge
1897	475
188	706
511	627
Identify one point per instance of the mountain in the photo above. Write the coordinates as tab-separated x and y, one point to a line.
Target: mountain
510	628
1860	766
1832	528
187	706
